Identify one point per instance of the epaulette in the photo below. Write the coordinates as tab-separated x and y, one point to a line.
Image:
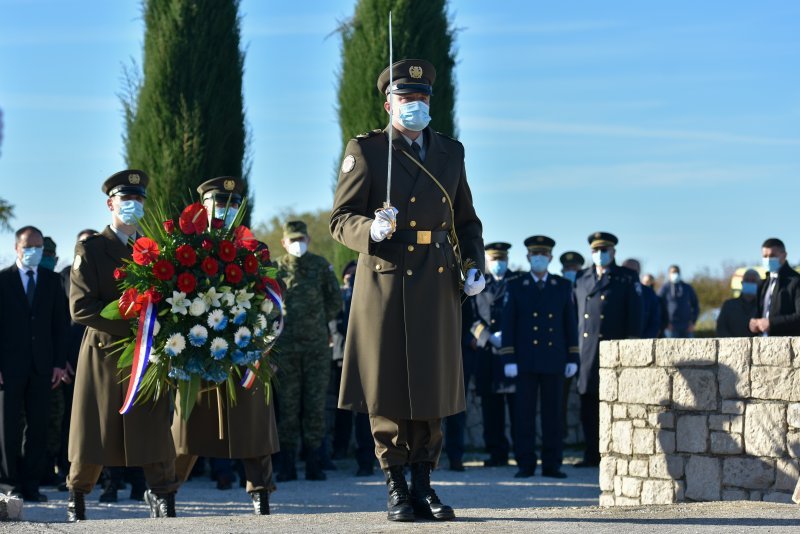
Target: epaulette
513	275
90	237
367	135
448	137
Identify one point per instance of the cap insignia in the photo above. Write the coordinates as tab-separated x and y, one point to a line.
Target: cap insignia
569	256
415	71
134	179
229	185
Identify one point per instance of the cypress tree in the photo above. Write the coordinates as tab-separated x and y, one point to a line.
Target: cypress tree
185	114
422	30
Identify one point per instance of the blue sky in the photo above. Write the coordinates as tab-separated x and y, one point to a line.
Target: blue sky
672	124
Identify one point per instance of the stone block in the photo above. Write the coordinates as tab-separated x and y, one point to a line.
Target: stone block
658	492
627	501
694	389
609	354
639	423
725	443
692	433
756	495
618	486
772	351
644	386
734	367
608	468
793	415
718	422
605	427
793	444
686	352
606	500
665	442
703	478
733	407
638	468
772	383
734	495
786	475
736	424
643	441
622	437
764	432
636	411
750	473
622	467
619	411
10	508
608	385
631	487
680	490
636	352
666	466
796	351
777	496
665	420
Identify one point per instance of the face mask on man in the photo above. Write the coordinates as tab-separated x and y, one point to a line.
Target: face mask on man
226	214
771	264
749	288
48	262
130	211
31	256
539	263
414	115
571	275
297	248
601	258
674	277
498	268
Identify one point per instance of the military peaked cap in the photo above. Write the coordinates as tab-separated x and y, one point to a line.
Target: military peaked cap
222	188
602	239
408	76
127	182
540	243
498	249
571	258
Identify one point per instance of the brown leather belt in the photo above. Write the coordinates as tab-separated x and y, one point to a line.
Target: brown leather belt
420	237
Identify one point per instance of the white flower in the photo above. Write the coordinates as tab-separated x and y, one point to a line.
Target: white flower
154	357
198	307
217	320
198	335
175	344
218	348
243	298
261	321
242	337
211	297
179	302
228	299
267	306
156	328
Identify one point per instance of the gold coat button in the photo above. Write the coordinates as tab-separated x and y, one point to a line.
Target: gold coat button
378	267
413	199
585	315
444	200
602	316
437	245
602	297
550	344
444	224
586	334
535	328
409	272
411	248
535	341
535	314
413	224
441	269
549	315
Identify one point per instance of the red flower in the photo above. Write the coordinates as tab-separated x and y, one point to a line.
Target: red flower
130	303
145	251
187	282
227	251
264	252
163	270
250	264
155	296
194	219
273	284
169	226
245	238
233	273
209	266
186	255
216	224
207	244
120	273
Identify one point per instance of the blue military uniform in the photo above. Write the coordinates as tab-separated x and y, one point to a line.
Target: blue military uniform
540	335
609	307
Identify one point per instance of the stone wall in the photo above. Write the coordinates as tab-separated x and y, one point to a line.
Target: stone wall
699	420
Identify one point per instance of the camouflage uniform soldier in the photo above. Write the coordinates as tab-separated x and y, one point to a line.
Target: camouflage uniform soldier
303	352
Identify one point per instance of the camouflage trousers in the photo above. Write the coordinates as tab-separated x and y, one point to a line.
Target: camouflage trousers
302	383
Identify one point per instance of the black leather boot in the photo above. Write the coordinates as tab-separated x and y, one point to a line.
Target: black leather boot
287	470
160	505
399	502
76	506
260	502
314	466
424	500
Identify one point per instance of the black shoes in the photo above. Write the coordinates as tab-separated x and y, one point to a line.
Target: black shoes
314	466
287	470
588	463
399	502
553	473
260	502
525	472
224	481
495	461
365	471
424	500
109	494
160	505
76	507
456	465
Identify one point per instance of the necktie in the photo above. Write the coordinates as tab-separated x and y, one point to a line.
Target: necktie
30	288
416	148
768	300
540	284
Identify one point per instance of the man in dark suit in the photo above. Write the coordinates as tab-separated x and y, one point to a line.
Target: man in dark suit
33	325
609	307
779	296
651	303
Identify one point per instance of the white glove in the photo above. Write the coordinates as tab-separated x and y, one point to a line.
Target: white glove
383	225
496	340
510	370
471	286
570	370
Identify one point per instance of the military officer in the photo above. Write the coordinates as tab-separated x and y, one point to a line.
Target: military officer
250	432
540	333
609	307
313	299
402	362
98	434
571	264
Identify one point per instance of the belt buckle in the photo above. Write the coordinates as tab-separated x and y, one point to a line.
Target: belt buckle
423	237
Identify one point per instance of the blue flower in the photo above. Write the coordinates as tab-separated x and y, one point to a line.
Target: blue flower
198	335
239	316
239	358
217	320
242	337
219	347
253	356
178	374
195	366
215	375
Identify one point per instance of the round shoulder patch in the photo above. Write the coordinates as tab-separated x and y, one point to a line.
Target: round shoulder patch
349	163
76	263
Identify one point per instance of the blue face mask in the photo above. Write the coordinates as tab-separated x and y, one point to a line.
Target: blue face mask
749	288
498	268
771	264
48	262
219	213
601	258
130	211
539	263
674	277
414	115
32	256
571	275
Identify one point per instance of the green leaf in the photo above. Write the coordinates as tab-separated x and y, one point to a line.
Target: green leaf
187	396
111	311
126	358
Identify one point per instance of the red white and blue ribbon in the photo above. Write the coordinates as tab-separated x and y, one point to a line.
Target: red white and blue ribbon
250	377
141	353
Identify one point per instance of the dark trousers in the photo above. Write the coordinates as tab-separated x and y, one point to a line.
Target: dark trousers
365	445
590	420
341	425
493	409
406	441
456	425
61	460
544	390
23	461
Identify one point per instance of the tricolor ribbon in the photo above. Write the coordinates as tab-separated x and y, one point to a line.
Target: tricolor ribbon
141	353
250	377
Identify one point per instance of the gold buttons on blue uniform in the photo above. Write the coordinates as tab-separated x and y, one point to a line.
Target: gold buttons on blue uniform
413	199
586	334
411	248
441	269
413	224
409	272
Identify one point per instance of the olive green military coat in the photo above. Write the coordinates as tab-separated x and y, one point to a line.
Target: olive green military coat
98	433
403	345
